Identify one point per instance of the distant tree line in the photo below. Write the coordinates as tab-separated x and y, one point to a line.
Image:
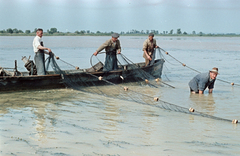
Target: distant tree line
16	31
54	31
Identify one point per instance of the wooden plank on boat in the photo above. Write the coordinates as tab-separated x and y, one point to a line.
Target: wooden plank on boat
95	68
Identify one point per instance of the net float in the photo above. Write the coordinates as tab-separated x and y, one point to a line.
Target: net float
232	83
100	78
157	79
234	121
156	99
126	88
146	80
76	68
191	109
121	77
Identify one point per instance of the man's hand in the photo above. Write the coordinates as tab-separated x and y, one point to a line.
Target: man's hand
49	50
95	53
149	57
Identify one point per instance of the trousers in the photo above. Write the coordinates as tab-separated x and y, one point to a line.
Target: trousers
39	59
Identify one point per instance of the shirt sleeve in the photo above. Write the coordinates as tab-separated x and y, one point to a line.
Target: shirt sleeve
118	45
145	45
104	45
36	42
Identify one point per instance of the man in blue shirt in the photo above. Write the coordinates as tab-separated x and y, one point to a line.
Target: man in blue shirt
203	80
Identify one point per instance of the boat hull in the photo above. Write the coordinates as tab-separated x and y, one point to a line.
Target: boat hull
52	81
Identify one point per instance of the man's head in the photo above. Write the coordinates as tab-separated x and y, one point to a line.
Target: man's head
115	37
213	73
150	36
39	32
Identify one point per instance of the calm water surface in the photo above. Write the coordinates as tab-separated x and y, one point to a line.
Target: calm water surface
69	122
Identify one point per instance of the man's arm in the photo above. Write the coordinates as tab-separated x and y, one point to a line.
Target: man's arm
145	51
118	47
148	57
104	45
44	48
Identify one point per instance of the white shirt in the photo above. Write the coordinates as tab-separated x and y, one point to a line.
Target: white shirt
36	42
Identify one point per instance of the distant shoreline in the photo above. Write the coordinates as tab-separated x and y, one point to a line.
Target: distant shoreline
160	35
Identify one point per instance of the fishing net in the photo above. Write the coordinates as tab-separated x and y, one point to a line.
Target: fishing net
96	84
133	74
143	75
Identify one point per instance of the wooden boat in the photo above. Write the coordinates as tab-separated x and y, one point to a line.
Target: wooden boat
126	73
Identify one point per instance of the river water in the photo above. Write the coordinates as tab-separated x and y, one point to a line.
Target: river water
69	122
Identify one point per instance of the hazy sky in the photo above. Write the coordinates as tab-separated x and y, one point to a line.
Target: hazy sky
207	16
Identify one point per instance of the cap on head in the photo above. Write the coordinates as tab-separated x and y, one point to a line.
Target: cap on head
115	35
214	70
151	34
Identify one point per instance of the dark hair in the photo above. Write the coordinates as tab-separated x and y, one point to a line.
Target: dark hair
39	29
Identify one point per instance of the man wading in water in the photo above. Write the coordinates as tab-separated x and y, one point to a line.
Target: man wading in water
39	51
203	80
111	47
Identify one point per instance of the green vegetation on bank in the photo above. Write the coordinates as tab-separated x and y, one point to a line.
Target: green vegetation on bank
55	32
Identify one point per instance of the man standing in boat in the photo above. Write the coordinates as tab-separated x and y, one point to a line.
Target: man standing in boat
203	80
39	51
112	46
148	48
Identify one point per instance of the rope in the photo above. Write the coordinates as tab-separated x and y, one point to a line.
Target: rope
124	57
97	59
160	53
195	69
127	95
143	73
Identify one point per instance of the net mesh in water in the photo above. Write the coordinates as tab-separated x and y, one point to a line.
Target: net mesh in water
127	67
95	84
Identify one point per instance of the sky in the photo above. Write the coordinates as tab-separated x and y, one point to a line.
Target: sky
207	16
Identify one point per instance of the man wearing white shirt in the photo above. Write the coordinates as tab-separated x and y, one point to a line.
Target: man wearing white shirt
39	51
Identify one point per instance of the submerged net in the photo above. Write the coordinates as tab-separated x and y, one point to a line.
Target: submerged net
95	84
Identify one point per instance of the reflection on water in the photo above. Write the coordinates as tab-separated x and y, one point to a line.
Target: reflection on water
68	122
203	102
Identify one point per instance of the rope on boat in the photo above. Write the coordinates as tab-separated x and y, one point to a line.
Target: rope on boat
145	76
167	53
148	75
122	92
76	67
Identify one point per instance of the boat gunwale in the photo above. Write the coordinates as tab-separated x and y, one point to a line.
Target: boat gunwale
80	71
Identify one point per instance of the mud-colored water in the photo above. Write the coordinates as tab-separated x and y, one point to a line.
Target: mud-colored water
69	122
